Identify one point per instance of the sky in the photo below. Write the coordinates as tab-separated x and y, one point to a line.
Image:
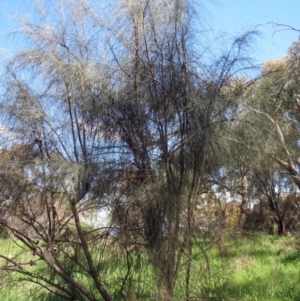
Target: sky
230	16
238	16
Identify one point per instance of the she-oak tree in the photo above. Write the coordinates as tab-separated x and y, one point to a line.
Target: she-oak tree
114	107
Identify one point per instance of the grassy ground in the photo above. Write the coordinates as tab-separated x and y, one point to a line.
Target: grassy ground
260	268
257	268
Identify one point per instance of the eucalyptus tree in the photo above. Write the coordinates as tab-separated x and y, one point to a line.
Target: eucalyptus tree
278	199
121	110
271	108
274	100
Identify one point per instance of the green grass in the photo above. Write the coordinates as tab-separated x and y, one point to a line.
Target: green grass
255	268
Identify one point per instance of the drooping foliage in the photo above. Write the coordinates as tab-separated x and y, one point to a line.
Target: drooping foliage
121	108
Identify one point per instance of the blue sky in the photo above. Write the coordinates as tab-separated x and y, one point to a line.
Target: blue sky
230	16
237	16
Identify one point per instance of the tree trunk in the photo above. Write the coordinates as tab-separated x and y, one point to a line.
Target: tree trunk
244	195
281	227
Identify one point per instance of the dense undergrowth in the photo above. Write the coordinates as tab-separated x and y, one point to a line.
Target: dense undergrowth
251	268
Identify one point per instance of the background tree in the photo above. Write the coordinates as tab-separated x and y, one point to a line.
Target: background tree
278	200
275	100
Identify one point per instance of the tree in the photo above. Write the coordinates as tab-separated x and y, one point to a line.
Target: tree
275	100
278	200
120	112
271	105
